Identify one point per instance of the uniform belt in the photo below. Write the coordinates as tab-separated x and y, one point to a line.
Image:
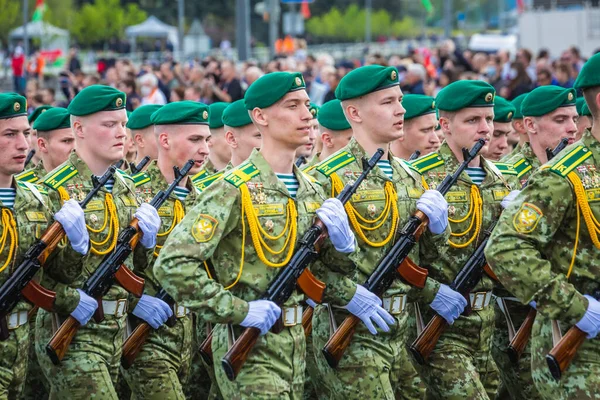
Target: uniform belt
118	308
395	304
17	319
180	311
511	299
479	300
292	315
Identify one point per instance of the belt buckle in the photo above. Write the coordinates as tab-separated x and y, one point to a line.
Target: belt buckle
17	322
395	304
478	301
180	311
290	315
120	308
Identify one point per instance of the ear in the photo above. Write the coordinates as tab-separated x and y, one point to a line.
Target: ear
78	129
530	125
445	124
42	145
231	139
138	139
327	140
259	117
352	113
163	140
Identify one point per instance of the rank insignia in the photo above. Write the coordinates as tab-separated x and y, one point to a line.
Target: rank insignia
527	218
451	210
269	224
93	218
204	228
372	209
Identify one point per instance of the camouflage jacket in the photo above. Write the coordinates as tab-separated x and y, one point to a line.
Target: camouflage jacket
531	249
369	202
522	163
512	153
32	175
311	164
214	230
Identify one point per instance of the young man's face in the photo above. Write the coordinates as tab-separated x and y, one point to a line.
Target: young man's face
467	126
307	149
498	145
248	138
103	134
382	114
549	129
419	134
289	119
14	144
188	142
56	146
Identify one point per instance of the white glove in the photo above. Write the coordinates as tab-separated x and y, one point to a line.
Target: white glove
72	219
333	215
590	323
262	314
448	303
435	206
149	223
367	306
533	305
85	309
311	303
152	310
509	197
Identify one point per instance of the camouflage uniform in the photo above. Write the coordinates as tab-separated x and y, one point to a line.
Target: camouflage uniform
275	367
32	216
512	153
531	251
461	365
372	366
32	175
162	366
90	368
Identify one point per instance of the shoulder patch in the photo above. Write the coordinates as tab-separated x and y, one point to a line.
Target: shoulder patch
60	176
505	168
140	178
204	228
27	176
242	174
335	162
427	162
200	175
522	167
571	160
202	184
527	218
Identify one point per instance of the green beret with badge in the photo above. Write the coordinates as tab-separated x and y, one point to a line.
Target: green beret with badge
185	112
545	99
52	119
504	110
331	116
37	112
97	98
589	76
270	88
140	117
216	114
365	80
236	115
417	105
465	94
12	105
516	102
314	110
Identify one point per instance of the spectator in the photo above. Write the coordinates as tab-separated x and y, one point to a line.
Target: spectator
563	73
49	96
74	64
525	56
89	80
544	77
252	74
128	87
18	70
229	88
111	77
414	79
149	90
192	93
167	76
177	94
519	82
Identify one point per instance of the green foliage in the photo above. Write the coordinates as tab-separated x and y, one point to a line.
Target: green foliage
9	18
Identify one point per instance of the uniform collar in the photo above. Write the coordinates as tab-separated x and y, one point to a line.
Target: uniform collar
85	174
451	164
158	180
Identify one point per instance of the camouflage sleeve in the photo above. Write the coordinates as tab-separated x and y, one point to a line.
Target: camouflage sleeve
514	250
179	267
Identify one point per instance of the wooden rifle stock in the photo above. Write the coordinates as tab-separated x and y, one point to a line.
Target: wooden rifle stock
206	349
59	344
307	316
426	342
562	354
340	340
238	353
519	341
134	343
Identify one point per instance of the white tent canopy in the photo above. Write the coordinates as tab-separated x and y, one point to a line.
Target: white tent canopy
152	27
51	37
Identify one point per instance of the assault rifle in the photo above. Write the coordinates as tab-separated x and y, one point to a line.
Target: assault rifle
137	168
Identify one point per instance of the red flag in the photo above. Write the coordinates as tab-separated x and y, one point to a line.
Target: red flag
521	5
305	10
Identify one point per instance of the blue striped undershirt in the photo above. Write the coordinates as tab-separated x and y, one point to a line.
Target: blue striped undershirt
181	192
477	174
109	185
290	182
7	197
386	167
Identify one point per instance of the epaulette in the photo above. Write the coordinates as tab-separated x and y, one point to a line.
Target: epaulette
522	167
505	168
140	178
409	165
571	160
32	186
310	178
60	176
28	176
242	174
427	162
335	162
124	174
310	168
200	175
492	167
207	181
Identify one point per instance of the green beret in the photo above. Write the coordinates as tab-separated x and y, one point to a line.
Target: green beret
185	112
236	115
331	116
270	88
545	99
12	105
465	94
579	102
417	105
314	110
504	110
37	112
589	75
54	118
365	80
140	117
97	98
216	114
516	102
585	110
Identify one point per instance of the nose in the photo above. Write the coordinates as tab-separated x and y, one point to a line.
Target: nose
22	143
485	127
503	142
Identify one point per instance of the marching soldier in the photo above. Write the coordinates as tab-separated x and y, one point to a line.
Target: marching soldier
242	136
585	117
32	140
305	152
142	131
518	126
498	145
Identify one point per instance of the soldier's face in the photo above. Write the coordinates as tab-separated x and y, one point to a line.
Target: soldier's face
549	129
498	145
56	147
102	134
289	119
217	144
307	149
467	126
14	133
189	142
146	144
382	114
419	134
584	122
248	138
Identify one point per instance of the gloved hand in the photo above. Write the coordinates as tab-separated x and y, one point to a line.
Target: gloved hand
590	323
262	314
333	215
152	310
448	303
85	309
149	223
509	197
435	206
533	304
367	306
72	219
311	303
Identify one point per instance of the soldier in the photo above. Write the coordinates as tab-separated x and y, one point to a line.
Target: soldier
142	131
498	145
585	117
376	366
305	152
90	367
420	121
518	126
181	129
32	140
461	365
248	224
241	134
542	251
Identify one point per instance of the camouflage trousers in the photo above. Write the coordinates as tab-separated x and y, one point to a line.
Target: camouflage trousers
580	381
90	368
376	367
516	380
274	369
461	365
202	383
314	387
36	384
162	367
13	362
